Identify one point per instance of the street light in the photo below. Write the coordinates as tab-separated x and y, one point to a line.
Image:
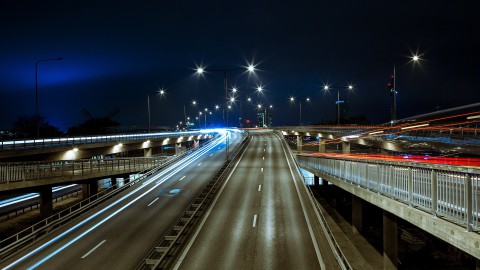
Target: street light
292	100
392	85
37	117
161	93
326	88
201	70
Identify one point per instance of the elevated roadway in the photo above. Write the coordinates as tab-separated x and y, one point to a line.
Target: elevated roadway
261	219
117	234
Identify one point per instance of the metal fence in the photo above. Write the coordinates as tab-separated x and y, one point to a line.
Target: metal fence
449	192
29	171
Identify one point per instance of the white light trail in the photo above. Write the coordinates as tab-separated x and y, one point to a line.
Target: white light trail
165	174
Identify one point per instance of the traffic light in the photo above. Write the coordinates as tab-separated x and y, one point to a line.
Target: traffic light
391	85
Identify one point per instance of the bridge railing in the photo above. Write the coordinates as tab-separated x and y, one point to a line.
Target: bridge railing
30	171
75	141
444	191
36	170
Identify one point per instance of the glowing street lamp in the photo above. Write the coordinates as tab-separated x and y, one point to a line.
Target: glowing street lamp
292	100
160	93
326	88
392	85
201	70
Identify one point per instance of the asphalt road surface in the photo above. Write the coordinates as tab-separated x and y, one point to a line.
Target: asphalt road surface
119	233
258	220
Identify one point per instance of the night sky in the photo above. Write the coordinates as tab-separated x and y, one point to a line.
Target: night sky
117	52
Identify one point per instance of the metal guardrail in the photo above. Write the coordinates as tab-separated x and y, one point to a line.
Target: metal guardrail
165	249
15	242
30	171
337	251
75	141
445	191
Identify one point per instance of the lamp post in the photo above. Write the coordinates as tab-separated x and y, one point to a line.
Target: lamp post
37	120
160	92
326	88
292	100
201	70
393	83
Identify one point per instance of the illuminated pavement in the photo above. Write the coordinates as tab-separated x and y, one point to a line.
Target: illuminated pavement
258	221
122	231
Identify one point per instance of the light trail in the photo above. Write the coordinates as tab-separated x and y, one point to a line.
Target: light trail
29	196
165	174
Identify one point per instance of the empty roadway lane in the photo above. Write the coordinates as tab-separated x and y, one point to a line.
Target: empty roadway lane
258	220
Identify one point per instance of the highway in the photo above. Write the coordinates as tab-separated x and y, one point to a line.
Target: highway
120	232
258	220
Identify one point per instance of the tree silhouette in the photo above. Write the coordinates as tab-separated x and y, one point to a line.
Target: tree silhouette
26	127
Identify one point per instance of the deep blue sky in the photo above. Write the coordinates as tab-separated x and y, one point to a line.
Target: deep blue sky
118	51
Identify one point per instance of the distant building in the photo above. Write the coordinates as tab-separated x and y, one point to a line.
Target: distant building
264	120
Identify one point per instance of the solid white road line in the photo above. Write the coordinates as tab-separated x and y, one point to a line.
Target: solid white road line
182	178
259	187
152	202
263	158
199	164
262	170
254	221
312	235
93	249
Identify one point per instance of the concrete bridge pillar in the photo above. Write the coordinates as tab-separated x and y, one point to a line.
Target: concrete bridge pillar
339	199
113	181
390	242
196	143
179	149
299	142
90	188
316	181
357	214
147	152
321	145
46	204
345	147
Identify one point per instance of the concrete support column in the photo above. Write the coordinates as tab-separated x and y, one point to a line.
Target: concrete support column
321	145
147	152
90	188
324	183
179	149
196	143
339	199
345	147
113	181
46	204
316	180
299	142
357	215
390	244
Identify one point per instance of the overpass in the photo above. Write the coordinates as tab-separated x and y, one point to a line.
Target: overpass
455	218
69	167
71	148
